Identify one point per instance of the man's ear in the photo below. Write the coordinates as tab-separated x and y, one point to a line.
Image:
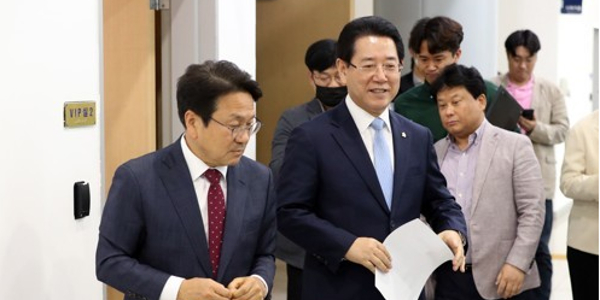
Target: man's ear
482	99
457	55
190	124
342	68
311	79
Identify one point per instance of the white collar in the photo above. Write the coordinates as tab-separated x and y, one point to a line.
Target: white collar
363	119
196	166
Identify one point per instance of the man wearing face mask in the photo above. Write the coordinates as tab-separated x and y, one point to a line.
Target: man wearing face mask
320	59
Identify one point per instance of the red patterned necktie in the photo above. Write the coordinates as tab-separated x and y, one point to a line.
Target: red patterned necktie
216	218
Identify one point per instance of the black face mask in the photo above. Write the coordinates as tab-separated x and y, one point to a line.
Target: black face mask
331	96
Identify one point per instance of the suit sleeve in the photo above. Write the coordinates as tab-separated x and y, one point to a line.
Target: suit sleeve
439	206
121	231
297	203
575	182
264	262
280	138
555	131
529	198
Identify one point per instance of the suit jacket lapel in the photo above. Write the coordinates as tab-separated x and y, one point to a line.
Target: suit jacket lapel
484	161
350	142
176	177
237	192
401	146
536	104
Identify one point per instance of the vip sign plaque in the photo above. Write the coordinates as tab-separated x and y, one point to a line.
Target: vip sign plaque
78	114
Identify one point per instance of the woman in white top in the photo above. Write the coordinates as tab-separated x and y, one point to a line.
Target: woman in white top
579	180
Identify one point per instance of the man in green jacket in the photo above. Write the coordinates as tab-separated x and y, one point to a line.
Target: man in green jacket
438	45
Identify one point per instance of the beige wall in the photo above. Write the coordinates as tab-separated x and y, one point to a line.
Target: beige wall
129	87
284	29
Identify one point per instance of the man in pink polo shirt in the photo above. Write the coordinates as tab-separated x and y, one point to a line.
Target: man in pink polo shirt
546	127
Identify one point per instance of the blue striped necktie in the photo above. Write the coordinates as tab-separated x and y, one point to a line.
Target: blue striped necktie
383	161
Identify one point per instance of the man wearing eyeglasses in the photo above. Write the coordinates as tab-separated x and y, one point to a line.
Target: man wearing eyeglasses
195	220
436	44
358	171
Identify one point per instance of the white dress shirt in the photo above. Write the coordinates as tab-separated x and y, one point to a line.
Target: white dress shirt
363	121
201	185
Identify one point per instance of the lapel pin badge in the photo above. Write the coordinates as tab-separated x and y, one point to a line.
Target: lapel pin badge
403	134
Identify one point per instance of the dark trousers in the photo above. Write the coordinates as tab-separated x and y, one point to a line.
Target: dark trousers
452	285
543	258
294	282
583	270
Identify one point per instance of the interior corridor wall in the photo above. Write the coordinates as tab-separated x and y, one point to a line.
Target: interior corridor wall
285	29
517	15
197	30
49	55
565	58
478	18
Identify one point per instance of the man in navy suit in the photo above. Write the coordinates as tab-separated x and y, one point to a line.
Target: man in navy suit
331	200
162	234
330	91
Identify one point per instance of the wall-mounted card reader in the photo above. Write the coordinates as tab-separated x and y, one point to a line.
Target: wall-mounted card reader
81	198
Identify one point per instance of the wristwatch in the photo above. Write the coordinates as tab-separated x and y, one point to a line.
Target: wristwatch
462	238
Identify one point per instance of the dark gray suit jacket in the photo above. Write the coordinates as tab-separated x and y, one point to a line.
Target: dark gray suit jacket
152	227
289	120
287	250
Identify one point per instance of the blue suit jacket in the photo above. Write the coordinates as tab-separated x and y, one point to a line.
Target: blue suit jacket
152	227
329	195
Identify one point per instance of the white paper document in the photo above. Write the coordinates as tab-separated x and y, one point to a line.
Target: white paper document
416	252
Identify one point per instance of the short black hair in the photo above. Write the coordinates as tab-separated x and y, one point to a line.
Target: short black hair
202	84
416	34
367	26
525	38
321	55
441	33
456	76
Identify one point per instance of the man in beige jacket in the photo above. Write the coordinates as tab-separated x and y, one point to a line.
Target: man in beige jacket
547	127
496	179
579	180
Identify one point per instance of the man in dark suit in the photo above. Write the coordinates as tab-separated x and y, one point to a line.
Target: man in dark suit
195	220
359	171
323	75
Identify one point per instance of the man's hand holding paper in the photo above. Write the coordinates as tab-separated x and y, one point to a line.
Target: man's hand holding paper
417	251
370	253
